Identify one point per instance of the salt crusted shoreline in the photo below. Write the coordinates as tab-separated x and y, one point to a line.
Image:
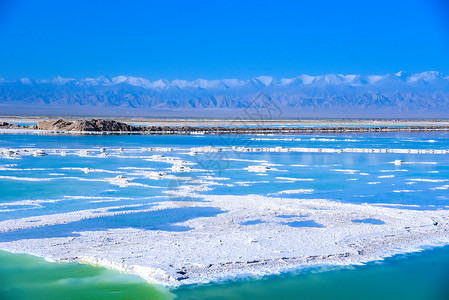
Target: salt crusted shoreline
105	126
220	247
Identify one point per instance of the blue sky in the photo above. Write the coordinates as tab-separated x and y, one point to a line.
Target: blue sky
221	39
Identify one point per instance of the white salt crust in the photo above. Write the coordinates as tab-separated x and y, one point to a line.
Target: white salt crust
220	247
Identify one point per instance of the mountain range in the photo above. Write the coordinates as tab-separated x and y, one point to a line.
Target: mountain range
400	95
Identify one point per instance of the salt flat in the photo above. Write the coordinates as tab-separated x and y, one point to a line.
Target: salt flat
220	247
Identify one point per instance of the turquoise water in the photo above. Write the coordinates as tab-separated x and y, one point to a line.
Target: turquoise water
415	276
347	177
54	184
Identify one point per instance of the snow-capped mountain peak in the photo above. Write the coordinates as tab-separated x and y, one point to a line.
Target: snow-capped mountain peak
25	80
321	95
258	82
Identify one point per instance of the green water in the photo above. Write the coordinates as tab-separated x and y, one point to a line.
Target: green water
423	276
32	278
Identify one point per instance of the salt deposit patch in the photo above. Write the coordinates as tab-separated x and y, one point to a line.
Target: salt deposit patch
23	169
250	183
444	187
136	168
428	180
289	192
259	168
220	247
26	178
245	160
294	179
421	162
87	170
345	171
276	139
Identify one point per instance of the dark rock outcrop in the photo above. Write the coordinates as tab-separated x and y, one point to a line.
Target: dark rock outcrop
6	125
86	125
